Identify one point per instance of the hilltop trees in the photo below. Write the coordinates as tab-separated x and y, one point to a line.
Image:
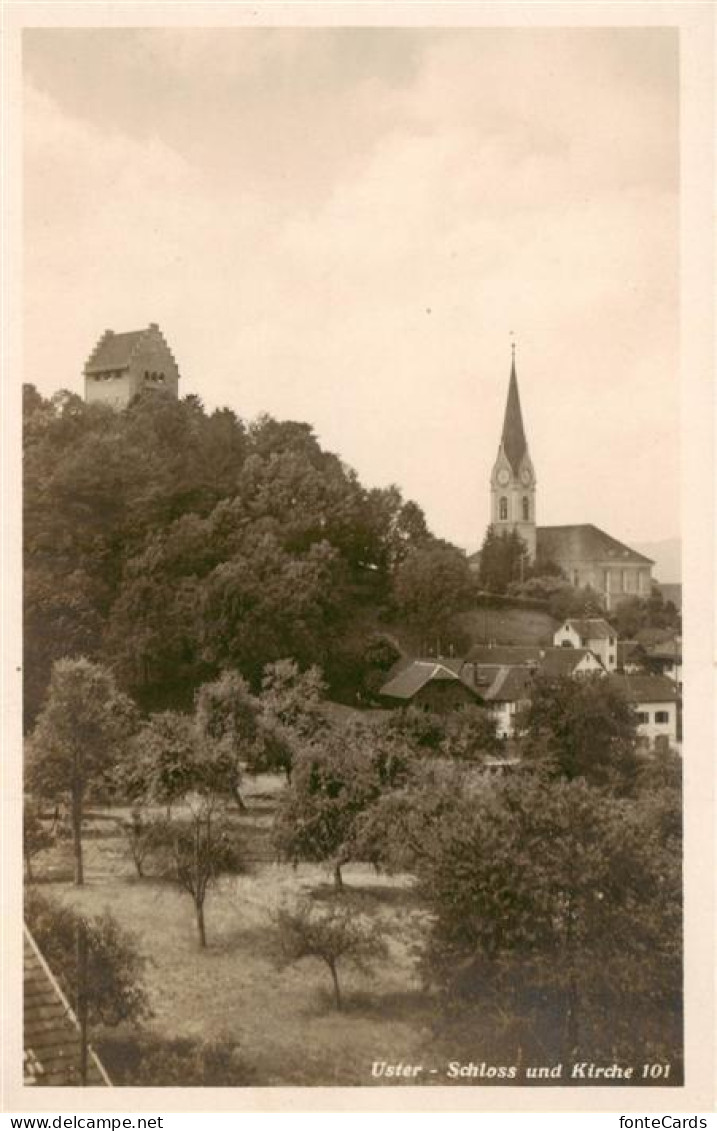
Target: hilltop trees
171	543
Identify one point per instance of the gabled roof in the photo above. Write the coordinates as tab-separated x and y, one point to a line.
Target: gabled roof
563	661
590	628
646	688
513	439
407	683
51	1038
114	351
670	650
585	543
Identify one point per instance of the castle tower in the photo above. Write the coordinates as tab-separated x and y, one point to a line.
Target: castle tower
512	481
123	365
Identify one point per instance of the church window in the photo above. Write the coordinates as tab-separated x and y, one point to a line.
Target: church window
503	508
526	508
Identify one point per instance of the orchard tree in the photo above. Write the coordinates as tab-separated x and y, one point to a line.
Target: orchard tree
470	735
227	720
162	767
83	729
581	728
199	847
333	782
333	933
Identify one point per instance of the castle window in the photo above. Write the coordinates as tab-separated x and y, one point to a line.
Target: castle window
526	508
503	508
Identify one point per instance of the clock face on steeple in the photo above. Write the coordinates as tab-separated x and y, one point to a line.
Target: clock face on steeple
525	477
503	476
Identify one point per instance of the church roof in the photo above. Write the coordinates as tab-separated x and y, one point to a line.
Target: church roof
584	542
513	438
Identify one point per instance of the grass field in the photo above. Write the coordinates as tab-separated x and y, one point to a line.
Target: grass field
283	1019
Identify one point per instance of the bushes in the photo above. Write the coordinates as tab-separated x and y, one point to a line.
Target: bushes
150	1060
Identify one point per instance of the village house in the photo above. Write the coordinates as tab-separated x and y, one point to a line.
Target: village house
655	700
593	633
666	659
123	365
430	684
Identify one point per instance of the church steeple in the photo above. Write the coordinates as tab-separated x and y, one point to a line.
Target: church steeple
512	482
513	439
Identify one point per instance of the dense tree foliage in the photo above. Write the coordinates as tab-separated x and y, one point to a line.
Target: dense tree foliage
582	728
114	977
555	907
172	543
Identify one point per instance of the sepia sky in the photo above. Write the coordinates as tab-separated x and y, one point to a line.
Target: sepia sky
344	226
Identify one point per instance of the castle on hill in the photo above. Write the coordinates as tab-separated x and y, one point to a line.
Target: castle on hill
123	365
585	554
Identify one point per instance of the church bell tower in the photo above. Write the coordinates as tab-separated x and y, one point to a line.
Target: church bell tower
512	481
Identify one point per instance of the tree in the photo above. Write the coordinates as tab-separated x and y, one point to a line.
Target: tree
332	933
162	768
431	585
292	715
332	784
504	558
581	728
35	836
114	987
470	735
144	836
199	848
227	718
558	906
82	729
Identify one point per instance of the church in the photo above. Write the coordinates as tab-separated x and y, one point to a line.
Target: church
585	554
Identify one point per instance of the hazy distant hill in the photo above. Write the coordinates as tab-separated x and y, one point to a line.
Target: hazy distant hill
667	556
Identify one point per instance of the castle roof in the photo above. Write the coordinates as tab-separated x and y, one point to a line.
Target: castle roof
513	439
584	542
115	351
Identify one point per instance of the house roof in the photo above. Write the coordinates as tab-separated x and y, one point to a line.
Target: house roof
646	688
513	439
509	683
584	543
408	682
562	661
504	654
667	650
590	628
51	1038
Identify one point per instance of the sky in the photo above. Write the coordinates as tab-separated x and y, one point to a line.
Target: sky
346	226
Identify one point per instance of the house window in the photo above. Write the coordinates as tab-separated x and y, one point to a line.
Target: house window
662	716
526	508
503	505
643	716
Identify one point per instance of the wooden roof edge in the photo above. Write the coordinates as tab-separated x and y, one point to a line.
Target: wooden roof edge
66	1005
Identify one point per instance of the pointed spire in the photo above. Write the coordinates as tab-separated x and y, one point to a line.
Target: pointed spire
513	438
